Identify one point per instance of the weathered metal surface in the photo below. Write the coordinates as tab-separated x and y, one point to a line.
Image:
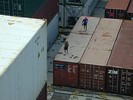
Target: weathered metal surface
101	44
122	58
77	42
97	54
48	10
65	74
66	64
122	54
116	9
92	77
117	4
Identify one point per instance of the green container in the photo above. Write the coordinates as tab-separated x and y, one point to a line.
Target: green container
24	8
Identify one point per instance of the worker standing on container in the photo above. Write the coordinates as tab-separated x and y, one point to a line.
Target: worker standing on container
66	46
84	23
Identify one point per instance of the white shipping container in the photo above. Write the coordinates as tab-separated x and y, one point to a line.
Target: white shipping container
23	57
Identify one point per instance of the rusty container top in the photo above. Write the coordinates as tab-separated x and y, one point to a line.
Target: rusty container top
77	42
122	54
101	44
48	10
130	8
117	4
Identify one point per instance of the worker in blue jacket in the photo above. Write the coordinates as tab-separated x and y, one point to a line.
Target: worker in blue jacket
84	23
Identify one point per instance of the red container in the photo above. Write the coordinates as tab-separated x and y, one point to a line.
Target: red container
43	93
130	11
116	9
92	77
65	74
48	10
122	59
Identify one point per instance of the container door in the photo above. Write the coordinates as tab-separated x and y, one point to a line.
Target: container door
126	82
82	77
113	79
58	73
85	76
97	80
72	75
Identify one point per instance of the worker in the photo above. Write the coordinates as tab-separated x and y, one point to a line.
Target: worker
66	46
84	23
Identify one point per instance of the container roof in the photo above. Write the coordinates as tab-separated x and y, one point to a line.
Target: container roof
101	44
130	8
78	40
122	54
117	4
15	33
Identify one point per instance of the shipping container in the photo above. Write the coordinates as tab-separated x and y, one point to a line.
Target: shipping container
23	51
65	71
61	16
116	9
95	58
49	11
69	14
20	7
122	60
130	11
112	79
53	30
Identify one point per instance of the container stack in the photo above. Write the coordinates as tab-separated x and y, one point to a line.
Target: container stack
120	65
116	9
95	58
71	10
23	58
19	7
66	65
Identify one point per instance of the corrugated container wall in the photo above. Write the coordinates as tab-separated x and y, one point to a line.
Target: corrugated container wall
49	10
120	70
25	8
95	58
66	64
116	9
130	11
23	55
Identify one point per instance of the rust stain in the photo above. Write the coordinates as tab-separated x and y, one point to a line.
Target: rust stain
106	35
